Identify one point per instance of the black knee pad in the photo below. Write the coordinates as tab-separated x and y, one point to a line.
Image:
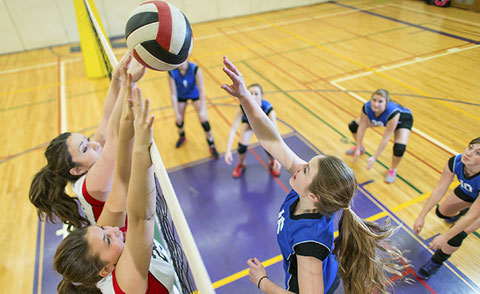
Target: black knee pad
399	149
457	240
439	214
206	126
242	148
353	126
179	125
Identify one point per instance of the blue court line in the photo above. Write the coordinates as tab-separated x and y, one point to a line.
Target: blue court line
422	241
408	23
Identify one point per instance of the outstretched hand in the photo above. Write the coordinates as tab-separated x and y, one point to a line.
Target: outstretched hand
143	125
237	88
256	270
126	121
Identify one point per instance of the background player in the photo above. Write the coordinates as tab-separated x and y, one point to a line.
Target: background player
466	167
186	83
246	134
396	119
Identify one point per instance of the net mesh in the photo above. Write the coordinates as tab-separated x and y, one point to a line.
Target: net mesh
176	253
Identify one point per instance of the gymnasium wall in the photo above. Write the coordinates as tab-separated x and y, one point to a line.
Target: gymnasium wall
33	24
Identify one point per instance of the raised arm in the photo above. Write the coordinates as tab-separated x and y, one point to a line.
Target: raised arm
137	70
133	265
262	126
387	134
437	194
114	211
100	175
233	129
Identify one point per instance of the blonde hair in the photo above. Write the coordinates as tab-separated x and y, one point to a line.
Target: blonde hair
361	270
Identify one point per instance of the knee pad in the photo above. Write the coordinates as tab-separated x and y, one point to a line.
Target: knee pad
179	125
242	148
439	214
206	126
399	149
457	240
353	126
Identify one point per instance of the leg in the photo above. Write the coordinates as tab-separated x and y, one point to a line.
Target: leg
182	105
400	144
245	136
353	126
449	208
201	109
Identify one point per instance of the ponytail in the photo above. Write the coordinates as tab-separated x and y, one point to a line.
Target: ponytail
67	287
47	191
356	248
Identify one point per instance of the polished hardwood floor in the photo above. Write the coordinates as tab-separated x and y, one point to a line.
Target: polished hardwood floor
317	64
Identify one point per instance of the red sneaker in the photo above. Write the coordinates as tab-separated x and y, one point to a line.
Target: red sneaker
238	171
274	172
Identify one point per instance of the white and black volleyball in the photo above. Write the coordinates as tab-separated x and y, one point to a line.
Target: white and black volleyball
159	35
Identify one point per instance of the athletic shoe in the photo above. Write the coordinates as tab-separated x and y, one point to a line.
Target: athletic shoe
430	268
180	141
274	172
352	150
455	218
238	171
391	176
213	151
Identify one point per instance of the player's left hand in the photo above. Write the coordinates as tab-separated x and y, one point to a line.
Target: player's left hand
256	270
370	162
438	242
137	70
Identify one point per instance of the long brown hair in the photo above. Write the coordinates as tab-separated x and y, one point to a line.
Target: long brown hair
358	240
475	141
76	263
47	191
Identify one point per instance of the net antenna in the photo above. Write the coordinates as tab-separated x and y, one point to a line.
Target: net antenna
198	269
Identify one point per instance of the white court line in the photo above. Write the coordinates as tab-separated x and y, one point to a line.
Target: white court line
437	15
248	29
36	66
415	60
420	133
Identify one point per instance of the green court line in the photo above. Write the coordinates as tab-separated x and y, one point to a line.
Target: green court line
322	120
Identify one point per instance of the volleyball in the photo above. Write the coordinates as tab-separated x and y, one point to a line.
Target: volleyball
159	35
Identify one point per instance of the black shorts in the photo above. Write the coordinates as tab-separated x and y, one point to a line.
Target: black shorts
186	99
405	121
462	195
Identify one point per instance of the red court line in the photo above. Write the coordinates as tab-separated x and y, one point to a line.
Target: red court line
318	93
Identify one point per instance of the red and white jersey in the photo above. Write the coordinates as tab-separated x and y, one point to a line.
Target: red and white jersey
90	206
161	275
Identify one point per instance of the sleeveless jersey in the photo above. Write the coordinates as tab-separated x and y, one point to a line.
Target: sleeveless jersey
266	107
306	235
390	111
469	185
90	206
186	85
161	275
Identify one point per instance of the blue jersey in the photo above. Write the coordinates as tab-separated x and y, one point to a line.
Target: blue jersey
186	85
307	235
391	110
469	185
266	107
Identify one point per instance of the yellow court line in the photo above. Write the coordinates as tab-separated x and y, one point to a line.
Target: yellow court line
360	64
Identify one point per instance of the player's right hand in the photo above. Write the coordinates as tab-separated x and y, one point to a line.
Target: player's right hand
228	157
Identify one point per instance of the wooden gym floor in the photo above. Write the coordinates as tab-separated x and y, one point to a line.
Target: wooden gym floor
316	64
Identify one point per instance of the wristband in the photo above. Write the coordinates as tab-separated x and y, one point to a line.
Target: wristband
258	285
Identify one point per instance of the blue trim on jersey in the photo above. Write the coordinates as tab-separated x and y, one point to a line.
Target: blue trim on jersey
310	228
390	111
266	107
469	185
186	85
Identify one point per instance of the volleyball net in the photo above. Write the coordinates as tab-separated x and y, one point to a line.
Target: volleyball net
170	221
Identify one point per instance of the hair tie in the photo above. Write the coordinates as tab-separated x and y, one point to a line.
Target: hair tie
346	208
